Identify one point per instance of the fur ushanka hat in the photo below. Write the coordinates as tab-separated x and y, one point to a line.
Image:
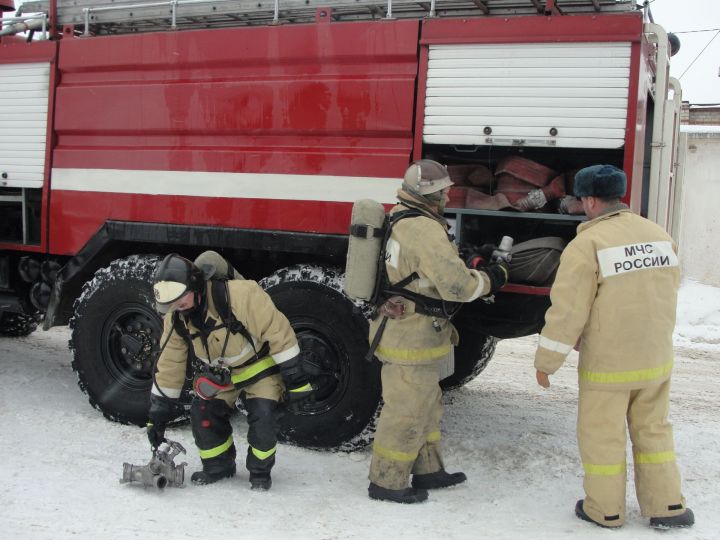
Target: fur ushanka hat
602	181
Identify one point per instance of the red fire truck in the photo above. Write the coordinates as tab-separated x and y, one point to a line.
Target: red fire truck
134	129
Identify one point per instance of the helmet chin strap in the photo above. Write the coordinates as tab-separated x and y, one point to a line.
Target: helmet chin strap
435	199
432	199
411	191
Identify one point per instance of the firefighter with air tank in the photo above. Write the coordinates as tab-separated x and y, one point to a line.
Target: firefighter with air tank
238	345
426	283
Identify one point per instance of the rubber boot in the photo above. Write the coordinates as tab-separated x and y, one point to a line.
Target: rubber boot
260	481
438	479
262	441
405	496
210	421
683	521
210	475
580	512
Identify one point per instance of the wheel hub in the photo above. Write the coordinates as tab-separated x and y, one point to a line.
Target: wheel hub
321	362
130	343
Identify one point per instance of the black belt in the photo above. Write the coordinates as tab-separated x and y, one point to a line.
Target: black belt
425	305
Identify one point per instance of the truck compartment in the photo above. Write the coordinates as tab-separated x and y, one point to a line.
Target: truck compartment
21	209
481	177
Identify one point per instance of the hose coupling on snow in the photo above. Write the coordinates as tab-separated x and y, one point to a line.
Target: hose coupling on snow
161	471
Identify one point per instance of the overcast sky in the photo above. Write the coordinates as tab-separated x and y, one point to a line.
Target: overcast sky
701	82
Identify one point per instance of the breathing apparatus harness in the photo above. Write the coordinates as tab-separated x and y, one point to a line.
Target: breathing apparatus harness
384	290
196	368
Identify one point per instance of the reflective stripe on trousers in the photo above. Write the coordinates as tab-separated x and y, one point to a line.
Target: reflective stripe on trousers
602	439
408	433
263	454
216	451
413	355
432	437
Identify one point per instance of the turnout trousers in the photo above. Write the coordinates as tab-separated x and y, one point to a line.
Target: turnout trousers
407	439
602	439
210	421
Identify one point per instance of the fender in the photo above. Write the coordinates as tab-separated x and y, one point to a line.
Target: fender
119	238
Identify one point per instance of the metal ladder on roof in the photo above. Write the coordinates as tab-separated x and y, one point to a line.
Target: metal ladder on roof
127	16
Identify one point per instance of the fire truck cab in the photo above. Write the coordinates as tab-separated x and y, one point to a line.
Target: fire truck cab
134	129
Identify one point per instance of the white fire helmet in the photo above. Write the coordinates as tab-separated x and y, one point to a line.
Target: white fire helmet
174	277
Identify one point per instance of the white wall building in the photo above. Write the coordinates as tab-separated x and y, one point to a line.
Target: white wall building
699	238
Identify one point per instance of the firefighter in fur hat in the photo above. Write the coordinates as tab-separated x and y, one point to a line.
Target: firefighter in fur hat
238	344
418	336
615	296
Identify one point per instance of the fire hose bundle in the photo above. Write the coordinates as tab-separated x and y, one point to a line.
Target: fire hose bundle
517	183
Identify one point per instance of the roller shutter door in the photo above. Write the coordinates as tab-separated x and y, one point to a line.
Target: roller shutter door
23	117
571	95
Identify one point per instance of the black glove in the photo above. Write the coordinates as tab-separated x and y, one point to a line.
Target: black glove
498	273
295	379
480	256
162	410
156	434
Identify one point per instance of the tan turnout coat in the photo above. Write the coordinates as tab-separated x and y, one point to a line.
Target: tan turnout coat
603	296
421	244
253	307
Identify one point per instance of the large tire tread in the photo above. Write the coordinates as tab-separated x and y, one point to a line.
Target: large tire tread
472	354
17	324
470	361
313	300
124	284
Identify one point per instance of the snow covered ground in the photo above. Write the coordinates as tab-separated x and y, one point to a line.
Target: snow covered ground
60	460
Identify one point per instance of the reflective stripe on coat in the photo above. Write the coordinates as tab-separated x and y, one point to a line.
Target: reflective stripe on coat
421	244
254	308
616	292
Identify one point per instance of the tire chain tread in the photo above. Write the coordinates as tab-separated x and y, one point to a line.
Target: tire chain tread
137	266
334	279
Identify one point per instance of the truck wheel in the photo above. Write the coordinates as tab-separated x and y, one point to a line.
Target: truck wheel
327	324
115	335
16	324
472	355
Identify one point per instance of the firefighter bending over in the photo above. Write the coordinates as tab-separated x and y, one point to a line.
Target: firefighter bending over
615	295
430	280
237	343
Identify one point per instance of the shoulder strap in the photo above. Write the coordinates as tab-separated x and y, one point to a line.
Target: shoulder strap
402	214
179	326
384	289
221	298
182	330
382	283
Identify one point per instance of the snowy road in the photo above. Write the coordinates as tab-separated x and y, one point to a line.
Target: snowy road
60	462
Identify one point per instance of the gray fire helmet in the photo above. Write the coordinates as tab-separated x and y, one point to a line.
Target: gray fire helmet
425	177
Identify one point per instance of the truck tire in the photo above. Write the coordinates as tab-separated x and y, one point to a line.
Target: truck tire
16	324
472	355
328	325
114	340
